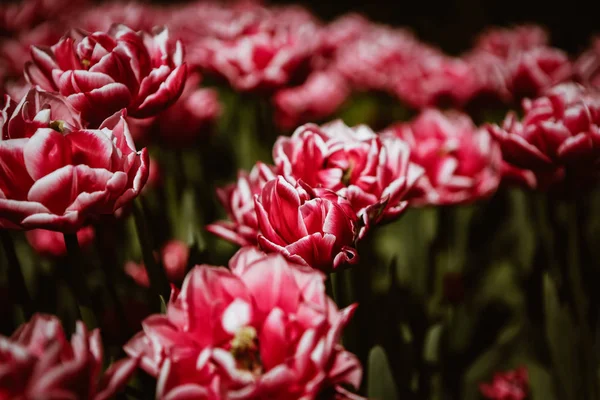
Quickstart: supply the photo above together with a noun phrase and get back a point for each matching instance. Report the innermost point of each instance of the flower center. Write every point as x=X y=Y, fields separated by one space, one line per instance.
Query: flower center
x=58 y=125
x=86 y=63
x=347 y=176
x=244 y=348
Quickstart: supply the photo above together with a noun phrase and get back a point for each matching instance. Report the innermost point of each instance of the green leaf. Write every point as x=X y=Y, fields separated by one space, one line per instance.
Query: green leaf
x=381 y=382
x=163 y=305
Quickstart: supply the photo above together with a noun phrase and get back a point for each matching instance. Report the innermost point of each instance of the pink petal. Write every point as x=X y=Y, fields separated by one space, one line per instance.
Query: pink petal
x=45 y=152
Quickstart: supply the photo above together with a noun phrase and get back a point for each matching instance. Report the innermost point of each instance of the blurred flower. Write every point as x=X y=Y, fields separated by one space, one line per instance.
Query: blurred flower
x=461 y=162
x=342 y=31
x=373 y=174
x=504 y=42
x=319 y=97
x=101 y=73
x=190 y=117
x=314 y=228
x=587 y=65
x=56 y=175
x=154 y=175
x=264 y=329
x=136 y=15
x=52 y=244
x=174 y=258
x=510 y=385
x=238 y=201
x=533 y=71
x=435 y=79
x=24 y=15
x=269 y=55
x=39 y=363
x=560 y=131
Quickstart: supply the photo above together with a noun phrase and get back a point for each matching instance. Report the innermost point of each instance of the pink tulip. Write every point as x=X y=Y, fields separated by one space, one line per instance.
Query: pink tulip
x=264 y=329
x=174 y=258
x=102 y=73
x=319 y=97
x=559 y=132
x=52 y=244
x=510 y=385
x=37 y=362
x=587 y=65
x=462 y=163
x=56 y=175
x=373 y=174
x=504 y=42
x=238 y=200
x=308 y=227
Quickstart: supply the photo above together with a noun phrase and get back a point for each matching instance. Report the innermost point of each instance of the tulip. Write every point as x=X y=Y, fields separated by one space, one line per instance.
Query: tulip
x=504 y=42
x=102 y=73
x=52 y=244
x=174 y=256
x=510 y=385
x=320 y=96
x=559 y=133
x=307 y=227
x=462 y=163
x=56 y=175
x=373 y=174
x=263 y=329
x=37 y=362
x=238 y=201
x=587 y=65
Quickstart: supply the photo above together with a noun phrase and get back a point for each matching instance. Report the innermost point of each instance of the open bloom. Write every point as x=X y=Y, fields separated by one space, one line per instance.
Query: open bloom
x=559 y=132
x=462 y=163
x=510 y=385
x=373 y=174
x=263 y=330
x=309 y=227
x=52 y=244
x=56 y=175
x=319 y=97
x=38 y=362
x=102 y=73
x=238 y=200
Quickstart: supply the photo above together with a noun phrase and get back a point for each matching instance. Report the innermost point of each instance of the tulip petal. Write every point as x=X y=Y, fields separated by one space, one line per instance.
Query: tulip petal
x=45 y=152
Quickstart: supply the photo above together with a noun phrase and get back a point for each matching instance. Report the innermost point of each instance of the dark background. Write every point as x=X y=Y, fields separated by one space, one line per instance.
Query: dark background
x=455 y=24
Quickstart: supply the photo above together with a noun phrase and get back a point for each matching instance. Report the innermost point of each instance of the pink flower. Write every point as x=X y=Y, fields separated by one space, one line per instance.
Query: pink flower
x=56 y=175
x=100 y=17
x=24 y=15
x=275 y=51
x=37 y=362
x=373 y=174
x=314 y=228
x=504 y=42
x=265 y=329
x=587 y=65
x=52 y=244
x=462 y=163
x=319 y=97
x=190 y=117
x=174 y=257
x=533 y=71
x=238 y=200
x=510 y=385
x=559 y=132
x=101 y=73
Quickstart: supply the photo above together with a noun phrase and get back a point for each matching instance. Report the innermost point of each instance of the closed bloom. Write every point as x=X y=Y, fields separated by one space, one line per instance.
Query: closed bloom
x=38 y=362
x=559 y=133
x=374 y=174
x=317 y=98
x=510 y=385
x=310 y=227
x=174 y=257
x=56 y=175
x=263 y=330
x=101 y=73
x=238 y=201
x=462 y=163
x=52 y=244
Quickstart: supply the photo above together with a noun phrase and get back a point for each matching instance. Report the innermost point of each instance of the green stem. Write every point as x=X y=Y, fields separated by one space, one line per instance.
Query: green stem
x=577 y=290
x=329 y=286
x=158 y=279
x=15 y=275
x=78 y=283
